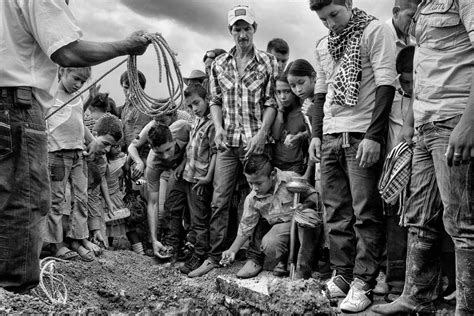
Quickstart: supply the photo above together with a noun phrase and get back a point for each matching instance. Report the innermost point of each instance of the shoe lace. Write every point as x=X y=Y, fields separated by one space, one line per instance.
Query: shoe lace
x=194 y=260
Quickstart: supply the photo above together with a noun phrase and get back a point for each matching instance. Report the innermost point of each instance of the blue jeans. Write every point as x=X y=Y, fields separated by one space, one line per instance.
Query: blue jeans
x=354 y=210
x=67 y=165
x=24 y=190
x=442 y=194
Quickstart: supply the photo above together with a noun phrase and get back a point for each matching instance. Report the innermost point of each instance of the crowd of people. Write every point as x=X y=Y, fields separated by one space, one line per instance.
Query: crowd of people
x=376 y=141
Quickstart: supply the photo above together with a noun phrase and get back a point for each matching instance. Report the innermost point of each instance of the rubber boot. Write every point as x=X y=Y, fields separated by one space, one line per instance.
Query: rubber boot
x=310 y=238
x=464 y=282
x=423 y=274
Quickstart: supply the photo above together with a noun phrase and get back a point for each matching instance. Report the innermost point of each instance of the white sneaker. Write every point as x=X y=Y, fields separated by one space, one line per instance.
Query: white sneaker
x=358 y=298
x=337 y=286
x=382 y=287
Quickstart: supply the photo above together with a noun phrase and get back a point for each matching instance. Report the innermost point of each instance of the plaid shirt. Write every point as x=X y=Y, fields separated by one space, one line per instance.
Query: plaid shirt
x=200 y=149
x=243 y=99
x=275 y=207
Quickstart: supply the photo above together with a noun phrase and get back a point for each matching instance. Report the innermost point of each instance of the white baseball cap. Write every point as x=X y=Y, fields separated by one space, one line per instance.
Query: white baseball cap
x=241 y=12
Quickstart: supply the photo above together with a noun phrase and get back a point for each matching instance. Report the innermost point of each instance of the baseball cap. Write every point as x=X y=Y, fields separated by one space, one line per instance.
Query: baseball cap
x=241 y=12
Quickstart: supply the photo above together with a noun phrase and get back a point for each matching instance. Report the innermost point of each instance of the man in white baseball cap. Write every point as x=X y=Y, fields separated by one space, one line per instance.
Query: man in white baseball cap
x=241 y=12
x=243 y=108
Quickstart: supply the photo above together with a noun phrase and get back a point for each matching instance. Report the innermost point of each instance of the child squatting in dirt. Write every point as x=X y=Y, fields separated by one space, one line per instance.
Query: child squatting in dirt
x=268 y=212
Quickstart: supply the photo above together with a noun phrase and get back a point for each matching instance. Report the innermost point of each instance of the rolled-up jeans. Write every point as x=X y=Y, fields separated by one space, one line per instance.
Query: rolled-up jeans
x=354 y=209
x=24 y=190
x=67 y=165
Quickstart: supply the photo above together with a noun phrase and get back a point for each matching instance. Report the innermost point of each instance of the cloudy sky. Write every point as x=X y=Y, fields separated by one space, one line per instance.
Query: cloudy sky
x=191 y=27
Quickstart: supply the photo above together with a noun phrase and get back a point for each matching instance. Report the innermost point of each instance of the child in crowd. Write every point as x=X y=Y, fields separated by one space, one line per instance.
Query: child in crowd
x=66 y=134
x=302 y=78
x=96 y=107
x=109 y=130
x=168 y=145
x=290 y=131
x=197 y=173
x=112 y=192
x=268 y=212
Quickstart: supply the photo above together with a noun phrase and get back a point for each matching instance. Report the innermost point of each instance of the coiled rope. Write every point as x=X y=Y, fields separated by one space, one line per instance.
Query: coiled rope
x=143 y=102
x=52 y=286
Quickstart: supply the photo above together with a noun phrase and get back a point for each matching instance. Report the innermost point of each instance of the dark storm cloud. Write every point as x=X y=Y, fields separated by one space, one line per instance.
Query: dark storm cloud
x=196 y=15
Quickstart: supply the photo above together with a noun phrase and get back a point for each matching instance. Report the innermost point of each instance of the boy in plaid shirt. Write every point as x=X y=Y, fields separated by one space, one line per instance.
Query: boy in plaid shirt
x=197 y=172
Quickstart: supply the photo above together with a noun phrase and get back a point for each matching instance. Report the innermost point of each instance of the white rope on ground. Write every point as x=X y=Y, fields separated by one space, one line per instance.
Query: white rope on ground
x=51 y=283
x=143 y=102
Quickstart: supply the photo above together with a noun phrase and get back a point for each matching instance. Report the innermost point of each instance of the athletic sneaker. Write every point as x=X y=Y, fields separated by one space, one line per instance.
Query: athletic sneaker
x=358 y=298
x=337 y=286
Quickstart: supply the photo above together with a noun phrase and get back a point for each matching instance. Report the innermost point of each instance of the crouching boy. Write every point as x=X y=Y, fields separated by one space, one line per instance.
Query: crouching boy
x=268 y=211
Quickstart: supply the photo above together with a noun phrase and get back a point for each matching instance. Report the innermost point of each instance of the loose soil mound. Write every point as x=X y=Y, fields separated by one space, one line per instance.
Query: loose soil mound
x=123 y=282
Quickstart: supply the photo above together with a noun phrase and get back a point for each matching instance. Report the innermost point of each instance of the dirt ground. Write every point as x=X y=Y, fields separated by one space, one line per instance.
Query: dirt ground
x=122 y=282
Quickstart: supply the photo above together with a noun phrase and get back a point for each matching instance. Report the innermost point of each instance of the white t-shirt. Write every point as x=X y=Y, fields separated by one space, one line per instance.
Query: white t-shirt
x=30 y=32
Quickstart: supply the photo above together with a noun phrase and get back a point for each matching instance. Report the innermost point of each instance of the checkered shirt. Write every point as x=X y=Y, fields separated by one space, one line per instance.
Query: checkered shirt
x=243 y=99
x=200 y=149
x=396 y=173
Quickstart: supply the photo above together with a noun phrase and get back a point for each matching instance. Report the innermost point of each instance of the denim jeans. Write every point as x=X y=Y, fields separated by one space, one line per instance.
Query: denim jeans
x=200 y=212
x=67 y=166
x=175 y=208
x=442 y=193
x=354 y=210
x=225 y=178
x=269 y=242
x=24 y=191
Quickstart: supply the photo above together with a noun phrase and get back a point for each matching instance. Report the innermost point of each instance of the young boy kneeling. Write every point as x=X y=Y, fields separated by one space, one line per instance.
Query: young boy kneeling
x=268 y=211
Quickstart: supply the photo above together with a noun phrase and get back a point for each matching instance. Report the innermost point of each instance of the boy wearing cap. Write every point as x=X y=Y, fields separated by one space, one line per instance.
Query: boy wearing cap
x=243 y=109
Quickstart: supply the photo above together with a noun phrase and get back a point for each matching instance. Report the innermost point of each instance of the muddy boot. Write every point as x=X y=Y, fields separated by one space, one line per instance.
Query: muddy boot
x=464 y=282
x=422 y=279
x=309 y=238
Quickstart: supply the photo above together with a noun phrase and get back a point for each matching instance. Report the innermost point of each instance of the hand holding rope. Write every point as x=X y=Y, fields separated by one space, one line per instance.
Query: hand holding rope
x=143 y=102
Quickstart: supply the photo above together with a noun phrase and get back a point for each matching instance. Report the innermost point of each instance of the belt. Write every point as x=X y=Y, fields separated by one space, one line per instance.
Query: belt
x=21 y=96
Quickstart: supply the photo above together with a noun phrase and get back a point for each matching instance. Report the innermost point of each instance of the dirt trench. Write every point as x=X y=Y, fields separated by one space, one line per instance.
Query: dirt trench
x=122 y=282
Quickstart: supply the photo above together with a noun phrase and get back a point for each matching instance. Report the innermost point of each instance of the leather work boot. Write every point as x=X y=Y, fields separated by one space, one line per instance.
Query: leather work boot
x=249 y=270
x=422 y=279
